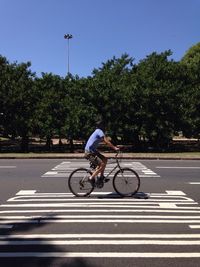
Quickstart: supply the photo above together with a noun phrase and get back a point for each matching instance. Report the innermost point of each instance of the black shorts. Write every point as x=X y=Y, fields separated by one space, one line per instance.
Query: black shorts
x=95 y=158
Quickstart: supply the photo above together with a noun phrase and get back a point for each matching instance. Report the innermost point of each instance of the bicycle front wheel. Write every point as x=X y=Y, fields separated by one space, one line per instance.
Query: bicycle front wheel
x=126 y=182
x=78 y=182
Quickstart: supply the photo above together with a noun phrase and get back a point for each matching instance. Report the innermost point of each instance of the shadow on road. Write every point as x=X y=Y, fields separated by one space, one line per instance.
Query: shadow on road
x=138 y=195
x=8 y=248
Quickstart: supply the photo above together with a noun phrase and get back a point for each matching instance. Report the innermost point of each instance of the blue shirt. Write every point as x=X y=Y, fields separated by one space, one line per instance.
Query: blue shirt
x=94 y=139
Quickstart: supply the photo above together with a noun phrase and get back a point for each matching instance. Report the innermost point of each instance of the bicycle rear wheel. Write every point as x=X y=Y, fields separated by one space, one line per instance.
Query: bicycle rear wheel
x=78 y=182
x=126 y=182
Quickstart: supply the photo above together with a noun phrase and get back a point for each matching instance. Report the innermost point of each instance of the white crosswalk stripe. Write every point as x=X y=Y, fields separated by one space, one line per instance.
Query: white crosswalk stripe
x=29 y=207
x=66 y=167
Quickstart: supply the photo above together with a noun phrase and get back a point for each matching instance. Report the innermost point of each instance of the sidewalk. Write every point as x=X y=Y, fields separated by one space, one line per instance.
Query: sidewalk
x=155 y=156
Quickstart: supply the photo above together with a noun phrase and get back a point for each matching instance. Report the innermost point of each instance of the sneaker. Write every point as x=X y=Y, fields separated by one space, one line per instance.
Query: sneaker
x=92 y=182
x=104 y=179
x=99 y=182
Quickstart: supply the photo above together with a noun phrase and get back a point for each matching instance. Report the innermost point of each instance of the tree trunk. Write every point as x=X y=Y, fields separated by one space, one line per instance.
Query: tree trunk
x=71 y=145
x=25 y=144
x=49 y=143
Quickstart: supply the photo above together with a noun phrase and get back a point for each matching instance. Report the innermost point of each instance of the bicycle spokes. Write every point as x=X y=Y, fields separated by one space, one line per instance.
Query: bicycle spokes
x=79 y=183
x=126 y=182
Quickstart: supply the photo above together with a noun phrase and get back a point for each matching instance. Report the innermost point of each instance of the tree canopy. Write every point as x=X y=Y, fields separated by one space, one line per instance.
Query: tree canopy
x=142 y=104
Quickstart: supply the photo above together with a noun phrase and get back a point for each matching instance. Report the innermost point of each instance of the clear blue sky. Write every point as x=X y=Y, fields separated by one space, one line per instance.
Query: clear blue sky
x=33 y=30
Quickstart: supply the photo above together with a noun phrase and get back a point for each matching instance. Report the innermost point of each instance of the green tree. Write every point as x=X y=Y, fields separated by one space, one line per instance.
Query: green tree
x=192 y=57
x=50 y=112
x=17 y=99
x=160 y=84
x=191 y=62
x=81 y=111
x=109 y=92
x=4 y=74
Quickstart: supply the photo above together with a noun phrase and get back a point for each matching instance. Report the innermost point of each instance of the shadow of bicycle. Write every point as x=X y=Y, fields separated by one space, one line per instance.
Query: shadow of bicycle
x=138 y=195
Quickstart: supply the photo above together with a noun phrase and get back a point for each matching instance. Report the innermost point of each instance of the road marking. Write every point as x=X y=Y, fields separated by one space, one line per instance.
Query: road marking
x=99 y=216
x=99 y=205
x=26 y=192
x=88 y=205
x=167 y=195
x=179 y=193
x=194 y=226
x=7 y=167
x=39 y=221
x=106 y=236
x=159 y=208
x=148 y=172
x=65 y=168
x=100 y=254
x=194 y=183
x=54 y=174
x=173 y=167
x=101 y=193
x=100 y=242
x=127 y=201
x=151 y=200
x=51 y=173
x=102 y=211
x=164 y=203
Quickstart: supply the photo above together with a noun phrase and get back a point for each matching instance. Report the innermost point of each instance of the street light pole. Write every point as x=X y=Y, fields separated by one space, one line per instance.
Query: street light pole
x=68 y=37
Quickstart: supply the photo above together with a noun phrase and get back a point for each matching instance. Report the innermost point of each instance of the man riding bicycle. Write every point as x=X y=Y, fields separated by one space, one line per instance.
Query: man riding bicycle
x=93 y=155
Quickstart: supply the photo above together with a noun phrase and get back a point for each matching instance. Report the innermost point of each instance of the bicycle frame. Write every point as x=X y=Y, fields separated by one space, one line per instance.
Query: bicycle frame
x=80 y=185
x=117 y=166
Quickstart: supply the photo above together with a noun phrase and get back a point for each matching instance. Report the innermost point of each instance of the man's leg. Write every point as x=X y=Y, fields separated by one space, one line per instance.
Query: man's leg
x=98 y=170
x=104 y=162
x=101 y=161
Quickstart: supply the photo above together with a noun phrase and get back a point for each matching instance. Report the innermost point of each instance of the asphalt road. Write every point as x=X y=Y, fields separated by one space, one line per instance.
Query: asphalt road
x=42 y=224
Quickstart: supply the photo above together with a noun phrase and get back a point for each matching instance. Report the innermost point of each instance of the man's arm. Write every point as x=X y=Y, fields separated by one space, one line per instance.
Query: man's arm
x=105 y=139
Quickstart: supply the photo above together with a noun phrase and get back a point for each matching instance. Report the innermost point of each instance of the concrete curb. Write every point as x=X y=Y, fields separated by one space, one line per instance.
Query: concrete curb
x=109 y=155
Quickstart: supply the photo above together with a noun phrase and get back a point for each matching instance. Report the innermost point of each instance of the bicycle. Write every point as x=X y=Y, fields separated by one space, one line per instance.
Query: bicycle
x=126 y=181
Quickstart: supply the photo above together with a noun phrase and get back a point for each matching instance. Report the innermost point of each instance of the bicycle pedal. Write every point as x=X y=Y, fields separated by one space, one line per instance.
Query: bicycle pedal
x=92 y=182
x=81 y=183
x=99 y=184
